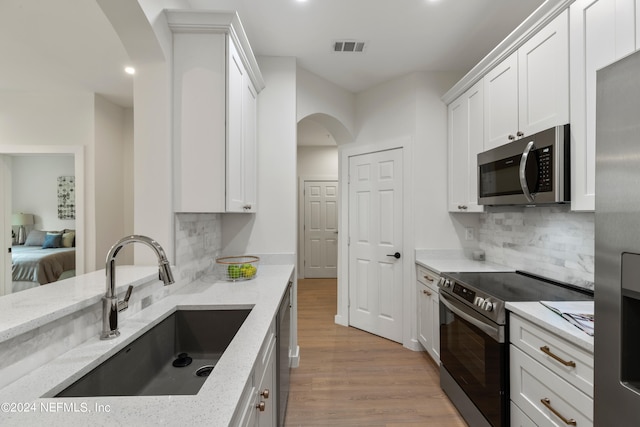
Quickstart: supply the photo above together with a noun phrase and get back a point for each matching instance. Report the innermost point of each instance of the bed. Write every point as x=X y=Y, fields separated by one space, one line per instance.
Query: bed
x=42 y=260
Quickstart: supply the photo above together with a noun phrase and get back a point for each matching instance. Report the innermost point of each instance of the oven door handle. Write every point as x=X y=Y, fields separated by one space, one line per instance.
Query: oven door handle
x=495 y=333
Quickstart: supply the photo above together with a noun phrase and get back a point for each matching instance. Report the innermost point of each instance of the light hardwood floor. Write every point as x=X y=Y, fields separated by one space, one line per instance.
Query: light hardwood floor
x=348 y=377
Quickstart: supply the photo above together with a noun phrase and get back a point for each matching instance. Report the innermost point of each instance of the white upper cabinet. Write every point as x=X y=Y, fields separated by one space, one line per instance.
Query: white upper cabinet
x=602 y=31
x=466 y=123
x=241 y=136
x=543 y=78
x=529 y=90
x=215 y=87
x=501 y=103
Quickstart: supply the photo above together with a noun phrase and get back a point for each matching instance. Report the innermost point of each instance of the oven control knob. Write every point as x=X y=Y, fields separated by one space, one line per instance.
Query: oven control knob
x=487 y=305
x=478 y=301
x=441 y=282
x=447 y=283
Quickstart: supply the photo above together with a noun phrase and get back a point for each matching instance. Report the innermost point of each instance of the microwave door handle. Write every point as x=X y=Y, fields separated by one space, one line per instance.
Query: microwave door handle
x=523 y=172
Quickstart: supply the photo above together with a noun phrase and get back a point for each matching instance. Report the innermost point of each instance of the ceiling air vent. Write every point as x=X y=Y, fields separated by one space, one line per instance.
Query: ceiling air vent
x=348 y=46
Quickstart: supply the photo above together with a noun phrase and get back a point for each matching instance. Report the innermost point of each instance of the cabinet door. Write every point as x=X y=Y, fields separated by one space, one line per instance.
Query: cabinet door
x=249 y=145
x=602 y=31
x=425 y=334
x=466 y=137
x=267 y=393
x=501 y=103
x=234 y=164
x=435 y=327
x=543 y=78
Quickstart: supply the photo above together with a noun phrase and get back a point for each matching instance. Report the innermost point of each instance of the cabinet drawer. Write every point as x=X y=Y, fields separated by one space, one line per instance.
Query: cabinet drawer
x=534 y=341
x=427 y=277
x=531 y=383
x=519 y=418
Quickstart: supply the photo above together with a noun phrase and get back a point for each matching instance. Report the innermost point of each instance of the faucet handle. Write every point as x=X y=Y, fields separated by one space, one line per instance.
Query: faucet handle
x=124 y=304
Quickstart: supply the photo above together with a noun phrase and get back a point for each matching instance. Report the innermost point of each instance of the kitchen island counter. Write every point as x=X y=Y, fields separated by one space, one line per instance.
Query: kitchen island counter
x=28 y=400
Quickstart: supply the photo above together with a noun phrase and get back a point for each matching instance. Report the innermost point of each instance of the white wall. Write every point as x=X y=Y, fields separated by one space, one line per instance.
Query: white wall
x=34 y=189
x=147 y=38
x=110 y=185
x=318 y=161
x=317 y=95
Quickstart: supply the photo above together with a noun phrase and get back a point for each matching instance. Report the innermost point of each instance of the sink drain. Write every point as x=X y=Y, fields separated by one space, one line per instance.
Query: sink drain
x=204 y=371
x=182 y=360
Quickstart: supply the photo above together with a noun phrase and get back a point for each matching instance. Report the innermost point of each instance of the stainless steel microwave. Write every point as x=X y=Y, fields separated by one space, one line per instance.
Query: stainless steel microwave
x=532 y=170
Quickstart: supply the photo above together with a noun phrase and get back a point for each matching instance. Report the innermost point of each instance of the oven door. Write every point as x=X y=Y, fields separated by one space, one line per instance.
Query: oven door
x=473 y=351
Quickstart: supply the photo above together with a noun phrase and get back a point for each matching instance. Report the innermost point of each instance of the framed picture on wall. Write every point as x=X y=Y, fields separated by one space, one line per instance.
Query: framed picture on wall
x=66 y=197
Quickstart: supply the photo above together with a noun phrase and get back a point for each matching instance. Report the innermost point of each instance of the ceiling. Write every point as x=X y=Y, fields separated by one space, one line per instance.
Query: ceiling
x=70 y=45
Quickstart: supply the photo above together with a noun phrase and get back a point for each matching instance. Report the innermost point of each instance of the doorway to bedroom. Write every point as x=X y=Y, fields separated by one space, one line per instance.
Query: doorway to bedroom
x=42 y=211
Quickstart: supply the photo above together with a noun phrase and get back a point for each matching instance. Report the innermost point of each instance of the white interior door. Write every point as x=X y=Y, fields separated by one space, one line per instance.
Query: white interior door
x=5 y=225
x=375 y=235
x=320 y=229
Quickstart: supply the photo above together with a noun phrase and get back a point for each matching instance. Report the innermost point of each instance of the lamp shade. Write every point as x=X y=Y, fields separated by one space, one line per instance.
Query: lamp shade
x=21 y=219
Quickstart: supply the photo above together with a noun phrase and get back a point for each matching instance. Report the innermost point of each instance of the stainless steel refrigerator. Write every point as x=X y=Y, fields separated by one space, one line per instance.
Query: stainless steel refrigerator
x=617 y=245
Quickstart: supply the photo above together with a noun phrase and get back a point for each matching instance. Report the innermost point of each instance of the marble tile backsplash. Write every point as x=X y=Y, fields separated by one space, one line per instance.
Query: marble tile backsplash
x=552 y=242
x=198 y=242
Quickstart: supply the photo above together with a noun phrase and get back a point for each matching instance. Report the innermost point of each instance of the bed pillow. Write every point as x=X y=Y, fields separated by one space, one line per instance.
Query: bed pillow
x=35 y=238
x=68 y=239
x=52 y=240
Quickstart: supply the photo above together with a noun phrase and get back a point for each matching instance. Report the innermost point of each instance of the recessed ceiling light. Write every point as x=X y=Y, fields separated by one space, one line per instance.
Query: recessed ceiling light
x=130 y=70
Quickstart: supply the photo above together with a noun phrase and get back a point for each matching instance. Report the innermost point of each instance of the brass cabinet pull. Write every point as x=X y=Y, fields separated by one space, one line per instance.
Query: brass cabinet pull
x=424 y=291
x=428 y=278
x=545 y=349
x=265 y=393
x=547 y=403
x=261 y=406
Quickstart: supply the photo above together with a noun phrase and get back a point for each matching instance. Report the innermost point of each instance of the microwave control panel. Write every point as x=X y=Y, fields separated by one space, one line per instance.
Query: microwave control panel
x=545 y=173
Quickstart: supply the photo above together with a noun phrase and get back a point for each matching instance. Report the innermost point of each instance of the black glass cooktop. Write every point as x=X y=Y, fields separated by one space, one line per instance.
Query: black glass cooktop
x=519 y=286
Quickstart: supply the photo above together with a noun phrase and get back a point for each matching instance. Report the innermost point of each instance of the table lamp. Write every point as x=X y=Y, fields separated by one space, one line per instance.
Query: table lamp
x=21 y=219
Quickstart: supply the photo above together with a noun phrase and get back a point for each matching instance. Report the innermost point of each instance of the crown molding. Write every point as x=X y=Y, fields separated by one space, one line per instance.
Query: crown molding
x=227 y=22
x=530 y=26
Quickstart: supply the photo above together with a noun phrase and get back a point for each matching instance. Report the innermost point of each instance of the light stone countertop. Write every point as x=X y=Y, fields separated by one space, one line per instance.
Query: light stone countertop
x=447 y=261
x=544 y=317
x=29 y=309
x=441 y=261
x=216 y=401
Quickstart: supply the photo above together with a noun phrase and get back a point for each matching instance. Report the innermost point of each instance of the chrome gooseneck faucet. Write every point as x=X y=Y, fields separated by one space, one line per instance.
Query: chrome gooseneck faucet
x=110 y=304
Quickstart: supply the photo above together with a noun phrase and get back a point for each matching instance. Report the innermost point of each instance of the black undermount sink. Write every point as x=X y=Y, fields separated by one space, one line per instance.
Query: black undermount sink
x=173 y=358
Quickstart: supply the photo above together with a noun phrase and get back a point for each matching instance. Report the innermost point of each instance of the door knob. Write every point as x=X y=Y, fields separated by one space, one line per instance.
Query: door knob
x=396 y=255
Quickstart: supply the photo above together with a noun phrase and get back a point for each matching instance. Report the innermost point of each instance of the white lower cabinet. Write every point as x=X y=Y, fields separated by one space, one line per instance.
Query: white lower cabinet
x=428 y=311
x=258 y=405
x=551 y=380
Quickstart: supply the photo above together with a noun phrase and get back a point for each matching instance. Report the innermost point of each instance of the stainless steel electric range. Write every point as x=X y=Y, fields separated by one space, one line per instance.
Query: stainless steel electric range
x=474 y=337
